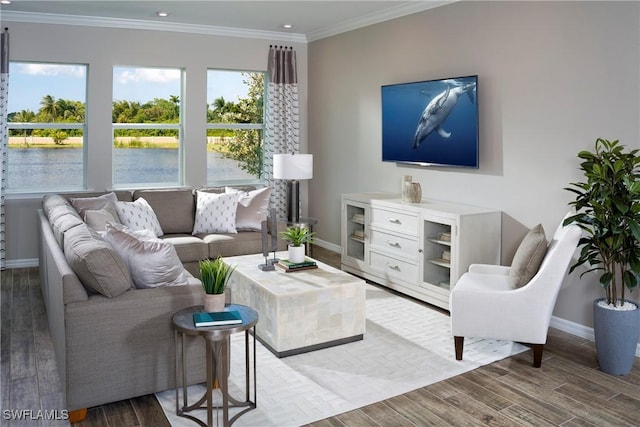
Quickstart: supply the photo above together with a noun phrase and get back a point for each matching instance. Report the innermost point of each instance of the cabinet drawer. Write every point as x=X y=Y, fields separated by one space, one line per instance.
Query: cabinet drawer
x=393 y=220
x=393 y=267
x=401 y=246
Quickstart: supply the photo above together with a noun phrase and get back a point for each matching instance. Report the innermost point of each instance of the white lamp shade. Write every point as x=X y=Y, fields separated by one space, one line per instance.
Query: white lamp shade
x=293 y=166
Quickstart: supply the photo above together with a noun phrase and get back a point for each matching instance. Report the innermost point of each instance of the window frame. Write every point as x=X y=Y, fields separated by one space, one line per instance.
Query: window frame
x=179 y=127
x=237 y=126
x=53 y=125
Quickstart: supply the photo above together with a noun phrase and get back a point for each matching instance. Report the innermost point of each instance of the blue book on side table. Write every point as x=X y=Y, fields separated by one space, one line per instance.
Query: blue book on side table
x=216 y=319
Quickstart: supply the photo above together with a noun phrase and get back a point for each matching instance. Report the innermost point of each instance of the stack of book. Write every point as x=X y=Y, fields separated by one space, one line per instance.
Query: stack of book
x=288 y=266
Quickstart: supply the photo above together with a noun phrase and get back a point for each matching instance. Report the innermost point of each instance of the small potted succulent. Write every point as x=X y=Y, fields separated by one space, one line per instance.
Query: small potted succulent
x=214 y=275
x=297 y=237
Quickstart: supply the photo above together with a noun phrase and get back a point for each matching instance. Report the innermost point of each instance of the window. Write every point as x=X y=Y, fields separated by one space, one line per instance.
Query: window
x=46 y=123
x=235 y=124
x=147 y=126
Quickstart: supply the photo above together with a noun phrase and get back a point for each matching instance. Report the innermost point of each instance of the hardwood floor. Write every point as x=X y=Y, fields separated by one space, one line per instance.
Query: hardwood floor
x=568 y=390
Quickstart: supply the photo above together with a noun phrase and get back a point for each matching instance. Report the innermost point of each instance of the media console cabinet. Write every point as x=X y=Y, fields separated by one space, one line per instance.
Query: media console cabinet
x=419 y=249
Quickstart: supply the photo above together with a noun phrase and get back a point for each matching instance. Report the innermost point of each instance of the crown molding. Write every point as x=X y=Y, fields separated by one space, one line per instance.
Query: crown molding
x=377 y=17
x=137 y=24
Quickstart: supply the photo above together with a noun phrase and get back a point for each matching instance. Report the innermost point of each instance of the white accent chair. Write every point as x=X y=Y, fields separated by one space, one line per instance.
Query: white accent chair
x=483 y=304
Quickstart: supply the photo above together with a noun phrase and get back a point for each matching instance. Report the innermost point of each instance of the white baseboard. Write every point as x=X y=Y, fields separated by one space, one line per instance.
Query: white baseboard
x=578 y=330
x=22 y=263
x=329 y=246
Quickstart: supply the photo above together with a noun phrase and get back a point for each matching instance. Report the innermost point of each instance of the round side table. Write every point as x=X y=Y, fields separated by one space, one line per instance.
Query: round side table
x=217 y=353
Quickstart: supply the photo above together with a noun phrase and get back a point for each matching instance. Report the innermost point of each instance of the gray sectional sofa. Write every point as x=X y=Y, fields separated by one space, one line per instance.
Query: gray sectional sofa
x=114 y=343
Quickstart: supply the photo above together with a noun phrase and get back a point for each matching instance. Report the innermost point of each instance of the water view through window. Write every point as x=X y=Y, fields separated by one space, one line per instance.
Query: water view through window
x=47 y=144
x=60 y=168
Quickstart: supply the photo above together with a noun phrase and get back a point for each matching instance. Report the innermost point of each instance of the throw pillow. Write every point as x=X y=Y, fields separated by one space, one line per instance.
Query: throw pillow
x=138 y=215
x=152 y=262
x=98 y=218
x=95 y=262
x=106 y=201
x=215 y=213
x=528 y=257
x=253 y=207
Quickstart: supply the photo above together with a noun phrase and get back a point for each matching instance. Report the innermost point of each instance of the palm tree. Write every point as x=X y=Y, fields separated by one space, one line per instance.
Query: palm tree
x=49 y=107
x=24 y=116
x=175 y=99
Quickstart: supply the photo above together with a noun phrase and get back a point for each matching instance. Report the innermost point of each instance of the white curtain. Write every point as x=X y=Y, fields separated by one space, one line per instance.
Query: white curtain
x=281 y=118
x=4 y=135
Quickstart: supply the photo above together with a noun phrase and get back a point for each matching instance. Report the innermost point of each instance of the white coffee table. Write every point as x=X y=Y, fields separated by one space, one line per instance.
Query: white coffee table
x=303 y=310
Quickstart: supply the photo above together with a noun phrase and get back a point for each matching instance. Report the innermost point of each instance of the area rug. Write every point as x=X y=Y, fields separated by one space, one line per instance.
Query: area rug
x=406 y=346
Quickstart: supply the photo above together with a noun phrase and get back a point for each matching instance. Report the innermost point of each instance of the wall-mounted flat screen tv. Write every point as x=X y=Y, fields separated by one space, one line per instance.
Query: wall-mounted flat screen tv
x=431 y=123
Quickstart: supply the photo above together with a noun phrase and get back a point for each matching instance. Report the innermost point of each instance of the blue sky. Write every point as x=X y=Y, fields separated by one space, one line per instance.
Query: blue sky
x=33 y=81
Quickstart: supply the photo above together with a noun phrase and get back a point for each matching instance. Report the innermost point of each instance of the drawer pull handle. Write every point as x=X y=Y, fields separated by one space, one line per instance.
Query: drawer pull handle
x=393 y=266
x=392 y=243
x=393 y=220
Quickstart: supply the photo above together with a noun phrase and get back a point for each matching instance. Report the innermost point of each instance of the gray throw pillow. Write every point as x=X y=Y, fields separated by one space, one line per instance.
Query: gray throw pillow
x=95 y=262
x=106 y=202
x=528 y=257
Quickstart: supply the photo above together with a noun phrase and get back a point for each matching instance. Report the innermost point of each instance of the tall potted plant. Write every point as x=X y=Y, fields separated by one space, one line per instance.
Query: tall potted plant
x=214 y=275
x=297 y=237
x=607 y=208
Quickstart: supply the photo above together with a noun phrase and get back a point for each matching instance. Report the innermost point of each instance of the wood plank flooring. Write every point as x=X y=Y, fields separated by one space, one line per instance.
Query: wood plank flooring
x=568 y=390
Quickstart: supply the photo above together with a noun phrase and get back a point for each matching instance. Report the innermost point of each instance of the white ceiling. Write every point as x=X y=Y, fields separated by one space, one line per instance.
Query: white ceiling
x=311 y=20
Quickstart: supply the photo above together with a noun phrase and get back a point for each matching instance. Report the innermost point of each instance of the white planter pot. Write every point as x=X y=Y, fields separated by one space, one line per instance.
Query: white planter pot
x=213 y=302
x=296 y=253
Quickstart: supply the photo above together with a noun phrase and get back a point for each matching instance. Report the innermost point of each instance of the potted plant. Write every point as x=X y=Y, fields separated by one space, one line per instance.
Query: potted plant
x=607 y=208
x=297 y=237
x=214 y=275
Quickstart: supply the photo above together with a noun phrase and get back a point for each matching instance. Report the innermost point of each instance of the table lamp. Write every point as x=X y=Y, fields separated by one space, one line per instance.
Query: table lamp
x=293 y=168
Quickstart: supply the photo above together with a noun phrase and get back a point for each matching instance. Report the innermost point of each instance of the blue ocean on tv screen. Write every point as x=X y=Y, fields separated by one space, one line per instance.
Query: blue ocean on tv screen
x=453 y=108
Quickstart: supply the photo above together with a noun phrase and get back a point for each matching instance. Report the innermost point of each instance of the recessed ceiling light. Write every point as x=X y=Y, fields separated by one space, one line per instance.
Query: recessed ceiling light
x=5 y=1
x=162 y=14
x=287 y=26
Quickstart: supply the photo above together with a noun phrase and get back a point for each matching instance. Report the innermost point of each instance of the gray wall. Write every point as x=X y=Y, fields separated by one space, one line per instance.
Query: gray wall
x=101 y=49
x=553 y=76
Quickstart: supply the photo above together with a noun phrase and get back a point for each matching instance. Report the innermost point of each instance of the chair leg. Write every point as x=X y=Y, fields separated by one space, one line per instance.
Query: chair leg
x=459 y=343
x=537 y=354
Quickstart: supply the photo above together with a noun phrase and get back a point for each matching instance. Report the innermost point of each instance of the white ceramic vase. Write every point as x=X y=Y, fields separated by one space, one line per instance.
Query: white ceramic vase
x=296 y=253
x=213 y=302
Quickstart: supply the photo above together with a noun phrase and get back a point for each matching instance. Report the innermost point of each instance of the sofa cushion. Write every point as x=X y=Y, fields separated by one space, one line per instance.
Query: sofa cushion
x=253 y=208
x=61 y=215
x=528 y=257
x=152 y=262
x=56 y=201
x=175 y=208
x=215 y=213
x=243 y=243
x=188 y=247
x=106 y=202
x=138 y=215
x=95 y=262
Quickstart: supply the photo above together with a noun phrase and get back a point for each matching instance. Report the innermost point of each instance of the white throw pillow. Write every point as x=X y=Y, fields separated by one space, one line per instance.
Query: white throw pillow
x=152 y=262
x=215 y=212
x=253 y=208
x=139 y=215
